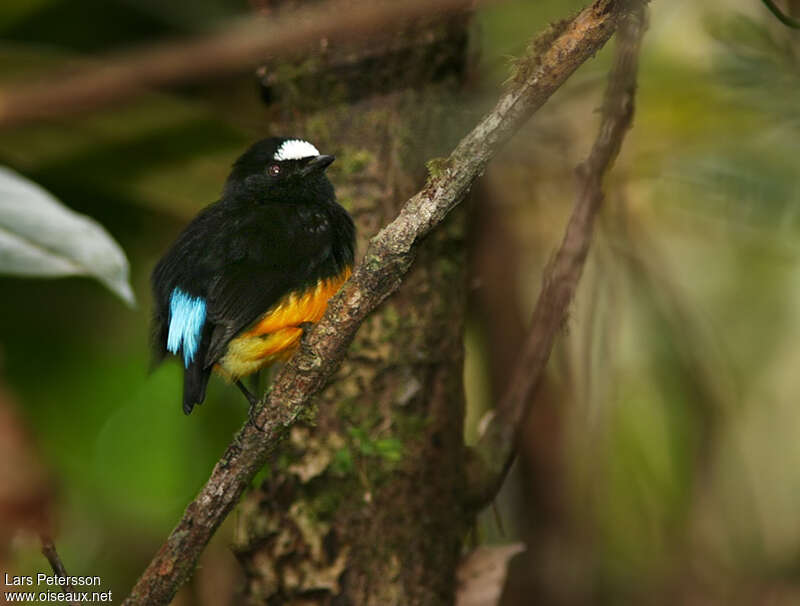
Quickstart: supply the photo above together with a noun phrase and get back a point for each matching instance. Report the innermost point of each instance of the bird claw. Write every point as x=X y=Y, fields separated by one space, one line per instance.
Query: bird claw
x=251 y=417
x=306 y=328
x=251 y=411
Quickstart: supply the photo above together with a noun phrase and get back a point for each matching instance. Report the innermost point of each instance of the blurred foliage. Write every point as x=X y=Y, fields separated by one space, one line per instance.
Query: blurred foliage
x=675 y=383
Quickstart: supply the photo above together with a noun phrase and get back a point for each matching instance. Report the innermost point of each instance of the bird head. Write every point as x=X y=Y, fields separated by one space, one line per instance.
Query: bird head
x=281 y=170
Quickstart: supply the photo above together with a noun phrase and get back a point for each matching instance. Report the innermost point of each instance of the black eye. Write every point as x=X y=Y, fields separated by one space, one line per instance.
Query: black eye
x=274 y=170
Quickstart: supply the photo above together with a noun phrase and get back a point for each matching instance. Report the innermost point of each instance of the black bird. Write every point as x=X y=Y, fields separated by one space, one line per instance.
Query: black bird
x=236 y=289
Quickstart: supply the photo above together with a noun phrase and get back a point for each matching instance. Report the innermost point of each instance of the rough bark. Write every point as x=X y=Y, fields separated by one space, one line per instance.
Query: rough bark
x=364 y=504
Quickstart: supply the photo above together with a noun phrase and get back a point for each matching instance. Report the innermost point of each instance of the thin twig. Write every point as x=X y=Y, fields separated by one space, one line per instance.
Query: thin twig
x=238 y=48
x=496 y=448
x=49 y=551
x=388 y=257
x=782 y=17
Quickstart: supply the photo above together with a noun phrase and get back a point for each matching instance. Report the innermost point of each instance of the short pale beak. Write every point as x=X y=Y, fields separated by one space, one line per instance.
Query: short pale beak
x=319 y=163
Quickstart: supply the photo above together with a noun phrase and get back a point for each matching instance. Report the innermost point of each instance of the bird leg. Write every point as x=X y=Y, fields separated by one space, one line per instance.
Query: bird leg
x=247 y=393
x=253 y=402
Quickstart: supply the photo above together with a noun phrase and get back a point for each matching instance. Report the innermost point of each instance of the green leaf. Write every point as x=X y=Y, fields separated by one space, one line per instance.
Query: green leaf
x=41 y=237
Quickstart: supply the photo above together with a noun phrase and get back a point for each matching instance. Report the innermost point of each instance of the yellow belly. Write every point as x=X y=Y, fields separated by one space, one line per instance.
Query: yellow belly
x=277 y=334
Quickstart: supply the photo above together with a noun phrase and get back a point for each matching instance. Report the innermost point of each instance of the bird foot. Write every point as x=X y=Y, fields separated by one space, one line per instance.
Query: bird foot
x=251 y=417
x=306 y=328
x=251 y=411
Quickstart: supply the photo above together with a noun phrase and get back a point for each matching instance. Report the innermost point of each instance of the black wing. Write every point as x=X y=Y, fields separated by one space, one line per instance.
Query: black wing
x=190 y=263
x=288 y=257
x=241 y=260
x=238 y=298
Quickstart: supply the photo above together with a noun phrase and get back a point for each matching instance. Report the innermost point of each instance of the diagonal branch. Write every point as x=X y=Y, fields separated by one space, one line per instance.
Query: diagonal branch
x=784 y=18
x=496 y=448
x=388 y=257
x=234 y=49
x=49 y=551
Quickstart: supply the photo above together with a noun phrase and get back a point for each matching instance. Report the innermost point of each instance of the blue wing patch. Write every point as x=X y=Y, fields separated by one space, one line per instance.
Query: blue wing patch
x=187 y=314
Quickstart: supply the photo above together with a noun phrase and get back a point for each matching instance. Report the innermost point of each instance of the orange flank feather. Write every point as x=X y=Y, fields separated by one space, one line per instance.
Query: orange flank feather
x=276 y=335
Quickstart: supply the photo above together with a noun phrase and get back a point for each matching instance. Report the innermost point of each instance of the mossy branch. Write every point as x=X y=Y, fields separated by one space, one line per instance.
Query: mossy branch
x=388 y=257
x=490 y=460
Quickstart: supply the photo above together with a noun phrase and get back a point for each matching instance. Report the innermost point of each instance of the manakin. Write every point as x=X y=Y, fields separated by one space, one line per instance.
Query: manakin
x=236 y=289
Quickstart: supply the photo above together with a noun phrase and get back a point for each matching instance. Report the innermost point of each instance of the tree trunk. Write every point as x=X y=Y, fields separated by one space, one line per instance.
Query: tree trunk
x=364 y=503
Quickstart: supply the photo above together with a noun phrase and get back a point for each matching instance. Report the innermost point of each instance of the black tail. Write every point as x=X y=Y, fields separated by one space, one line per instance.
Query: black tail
x=195 y=380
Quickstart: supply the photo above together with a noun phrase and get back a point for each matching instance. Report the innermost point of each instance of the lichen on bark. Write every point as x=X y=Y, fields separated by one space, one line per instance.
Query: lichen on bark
x=362 y=504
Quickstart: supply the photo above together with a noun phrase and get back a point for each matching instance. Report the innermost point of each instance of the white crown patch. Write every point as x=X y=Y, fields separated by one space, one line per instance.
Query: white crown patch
x=295 y=149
